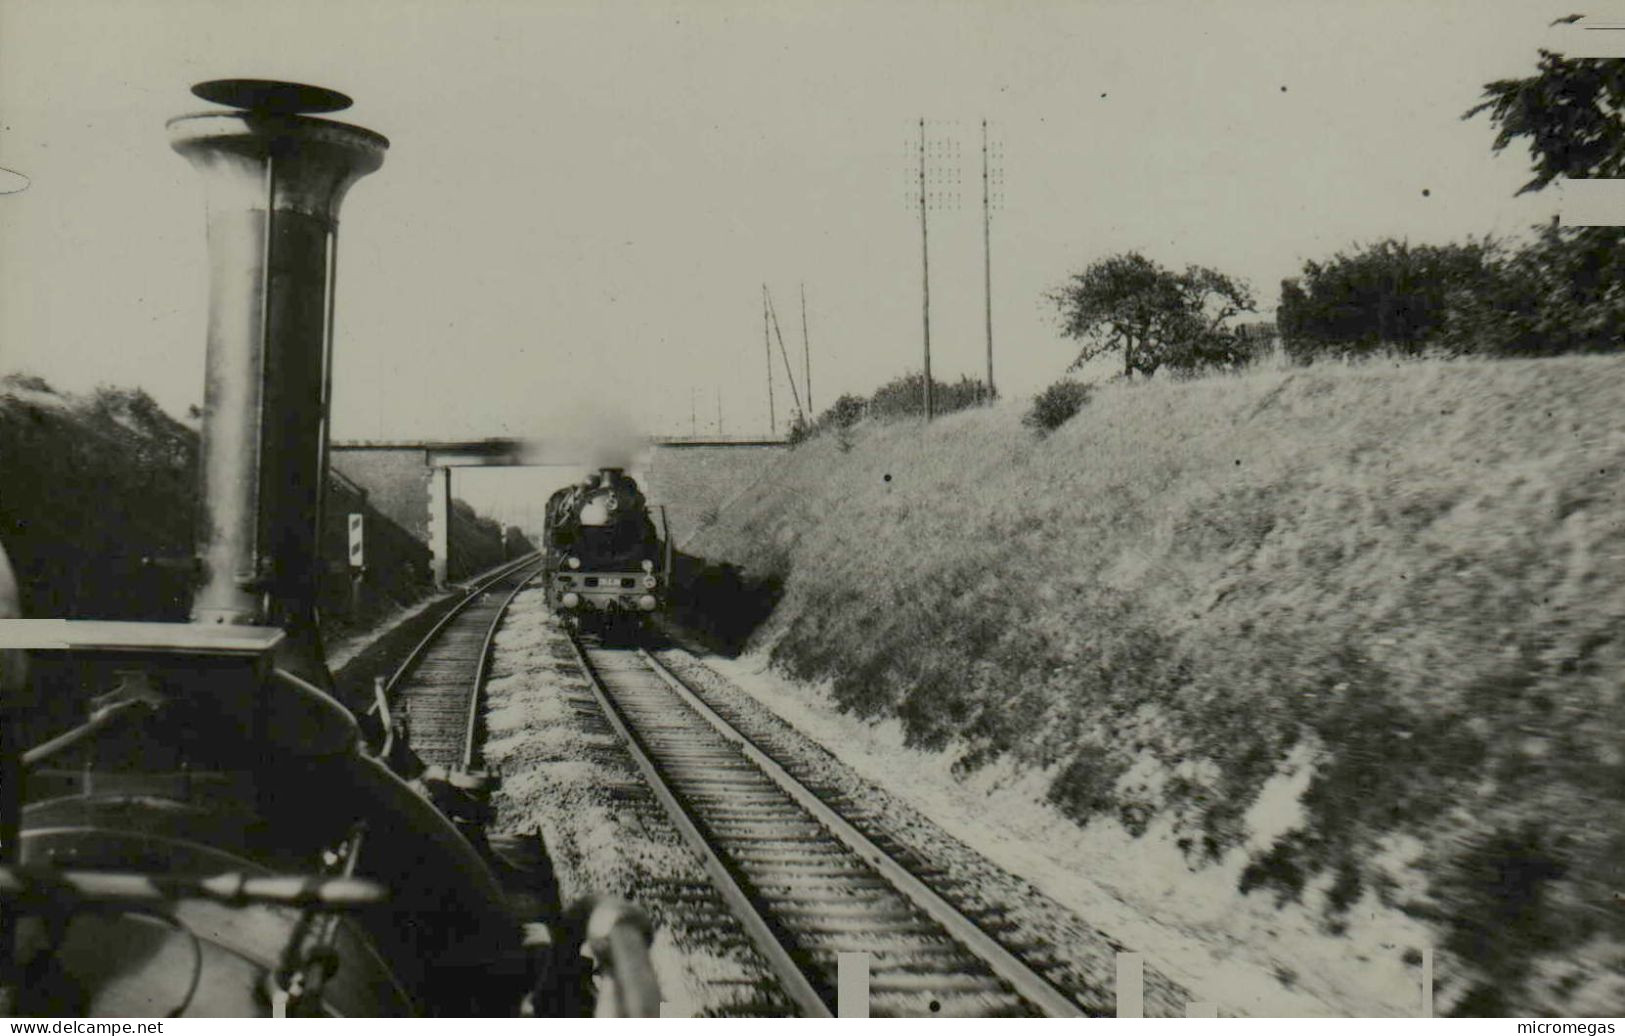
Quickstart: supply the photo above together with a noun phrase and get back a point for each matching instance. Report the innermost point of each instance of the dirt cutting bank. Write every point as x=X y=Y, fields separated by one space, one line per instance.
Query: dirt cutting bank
x=1348 y=636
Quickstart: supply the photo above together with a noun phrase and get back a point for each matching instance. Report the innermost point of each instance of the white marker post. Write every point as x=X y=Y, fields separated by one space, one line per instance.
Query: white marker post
x=851 y=985
x=1427 y=982
x=1131 y=985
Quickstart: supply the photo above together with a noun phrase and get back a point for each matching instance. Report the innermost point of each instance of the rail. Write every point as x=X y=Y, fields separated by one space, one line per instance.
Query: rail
x=1027 y=982
x=469 y=596
x=475 y=695
x=883 y=897
x=790 y=975
x=429 y=693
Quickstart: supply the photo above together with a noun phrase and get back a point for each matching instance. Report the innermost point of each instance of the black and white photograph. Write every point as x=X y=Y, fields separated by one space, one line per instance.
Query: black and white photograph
x=791 y=509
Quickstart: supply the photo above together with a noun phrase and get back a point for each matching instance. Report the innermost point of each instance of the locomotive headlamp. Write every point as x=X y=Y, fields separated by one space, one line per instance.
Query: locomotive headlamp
x=573 y=562
x=650 y=582
x=647 y=602
x=648 y=566
x=570 y=600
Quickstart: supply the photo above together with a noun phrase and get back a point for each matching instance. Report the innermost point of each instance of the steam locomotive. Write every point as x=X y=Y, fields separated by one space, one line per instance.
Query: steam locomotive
x=191 y=823
x=607 y=566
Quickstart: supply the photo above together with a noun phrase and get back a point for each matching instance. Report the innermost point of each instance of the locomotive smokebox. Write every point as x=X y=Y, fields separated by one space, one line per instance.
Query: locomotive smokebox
x=275 y=178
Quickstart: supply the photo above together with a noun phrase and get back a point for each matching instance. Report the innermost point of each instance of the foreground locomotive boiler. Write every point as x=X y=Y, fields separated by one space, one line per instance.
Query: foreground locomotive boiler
x=190 y=822
x=606 y=563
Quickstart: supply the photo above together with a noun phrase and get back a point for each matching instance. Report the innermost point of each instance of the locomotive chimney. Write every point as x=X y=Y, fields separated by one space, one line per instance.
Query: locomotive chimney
x=274 y=179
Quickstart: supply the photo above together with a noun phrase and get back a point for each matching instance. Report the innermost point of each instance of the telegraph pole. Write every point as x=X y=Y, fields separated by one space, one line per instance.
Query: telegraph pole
x=925 y=276
x=987 y=265
x=806 y=351
x=789 y=373
x=767 y=344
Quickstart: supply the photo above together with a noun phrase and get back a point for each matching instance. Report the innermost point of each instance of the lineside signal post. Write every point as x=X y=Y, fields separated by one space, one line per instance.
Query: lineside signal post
x=358 y=559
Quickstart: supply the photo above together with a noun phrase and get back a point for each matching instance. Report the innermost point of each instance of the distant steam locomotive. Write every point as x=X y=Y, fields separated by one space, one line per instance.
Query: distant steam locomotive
x=606 y=562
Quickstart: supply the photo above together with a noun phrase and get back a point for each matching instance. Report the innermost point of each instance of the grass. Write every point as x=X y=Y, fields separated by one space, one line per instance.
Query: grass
x=1414 y=570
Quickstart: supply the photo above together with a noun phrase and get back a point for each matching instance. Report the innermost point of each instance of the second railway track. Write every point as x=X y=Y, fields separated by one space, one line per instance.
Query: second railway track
x=436 y=689
x=807 y=886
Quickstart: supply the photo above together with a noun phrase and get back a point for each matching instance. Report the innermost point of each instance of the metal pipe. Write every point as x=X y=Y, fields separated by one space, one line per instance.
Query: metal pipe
x=275 y=180
x=619 y=935
x=15 y=699
x=50 y=887
x=100 y=720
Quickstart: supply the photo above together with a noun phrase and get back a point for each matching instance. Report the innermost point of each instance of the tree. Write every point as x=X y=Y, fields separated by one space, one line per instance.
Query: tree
x=1570 y=113
x=1565 y=288
x=1562 y=293
x=1153 y=316
x=1388 y=295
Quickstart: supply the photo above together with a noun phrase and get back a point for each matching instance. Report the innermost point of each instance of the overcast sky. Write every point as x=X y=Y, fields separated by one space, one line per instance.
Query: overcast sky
x=581 y=201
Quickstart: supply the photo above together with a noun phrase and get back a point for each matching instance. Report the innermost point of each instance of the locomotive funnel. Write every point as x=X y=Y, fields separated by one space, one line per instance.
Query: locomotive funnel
x=274 y=179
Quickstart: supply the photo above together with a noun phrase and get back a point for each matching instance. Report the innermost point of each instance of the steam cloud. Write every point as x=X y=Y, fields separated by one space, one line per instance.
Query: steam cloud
x=589 y=437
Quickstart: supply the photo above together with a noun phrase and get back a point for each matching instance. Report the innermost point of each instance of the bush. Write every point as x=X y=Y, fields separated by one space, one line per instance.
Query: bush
x=846 y=412
x=1390 y=296
x=800 y=430
x=904 y=397
x=1057 y=405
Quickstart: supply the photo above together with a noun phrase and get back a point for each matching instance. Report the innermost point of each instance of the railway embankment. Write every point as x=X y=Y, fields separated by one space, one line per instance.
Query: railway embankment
x=1338 y=645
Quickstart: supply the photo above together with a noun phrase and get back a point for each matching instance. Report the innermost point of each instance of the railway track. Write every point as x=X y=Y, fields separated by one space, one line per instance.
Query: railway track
x=804 y=883
x=437 y=688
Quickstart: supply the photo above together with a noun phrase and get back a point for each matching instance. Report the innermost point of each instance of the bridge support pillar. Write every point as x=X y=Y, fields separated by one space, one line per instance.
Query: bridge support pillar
x=439 y=522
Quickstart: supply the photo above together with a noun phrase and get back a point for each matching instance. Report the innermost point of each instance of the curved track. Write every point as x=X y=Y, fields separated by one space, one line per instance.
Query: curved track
x=804 y=882
x=437 y=689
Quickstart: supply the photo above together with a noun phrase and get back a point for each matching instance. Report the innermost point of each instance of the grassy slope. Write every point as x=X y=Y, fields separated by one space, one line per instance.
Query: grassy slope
x=1413 y=575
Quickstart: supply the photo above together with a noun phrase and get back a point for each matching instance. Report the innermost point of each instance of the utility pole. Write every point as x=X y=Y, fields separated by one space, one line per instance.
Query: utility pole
x=806 y=350
x=789 y=374
x=719 y=411
x=925 y=275
x=767 y=345
x=693 y=416
x=987 y=265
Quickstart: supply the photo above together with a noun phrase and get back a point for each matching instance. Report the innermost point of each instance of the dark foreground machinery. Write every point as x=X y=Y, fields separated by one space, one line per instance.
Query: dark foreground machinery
x=190 y=822
x=607 y=565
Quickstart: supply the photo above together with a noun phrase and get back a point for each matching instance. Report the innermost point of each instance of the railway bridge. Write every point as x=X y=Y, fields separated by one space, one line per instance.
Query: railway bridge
x=409 y=480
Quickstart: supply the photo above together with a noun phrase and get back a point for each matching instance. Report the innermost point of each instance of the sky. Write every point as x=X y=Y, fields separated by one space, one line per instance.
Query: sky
x=581 y=202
